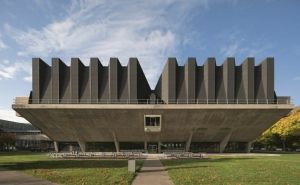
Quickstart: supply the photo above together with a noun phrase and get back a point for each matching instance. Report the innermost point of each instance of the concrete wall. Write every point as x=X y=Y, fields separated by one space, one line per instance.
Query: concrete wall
x=208 y=83
x=41 y=81
x=95 y=83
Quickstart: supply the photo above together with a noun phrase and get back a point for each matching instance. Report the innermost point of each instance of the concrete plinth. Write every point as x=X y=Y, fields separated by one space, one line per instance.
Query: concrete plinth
x=131 y=166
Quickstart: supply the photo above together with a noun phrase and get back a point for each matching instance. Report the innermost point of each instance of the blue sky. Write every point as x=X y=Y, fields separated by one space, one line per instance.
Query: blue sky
x=150 y=30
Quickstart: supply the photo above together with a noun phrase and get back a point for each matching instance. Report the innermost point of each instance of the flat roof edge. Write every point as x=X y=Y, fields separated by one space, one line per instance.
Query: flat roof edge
x=153 y=106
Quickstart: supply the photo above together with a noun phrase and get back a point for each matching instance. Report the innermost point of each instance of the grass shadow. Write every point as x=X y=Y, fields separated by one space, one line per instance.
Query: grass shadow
x=65 y=164
x=11 y=154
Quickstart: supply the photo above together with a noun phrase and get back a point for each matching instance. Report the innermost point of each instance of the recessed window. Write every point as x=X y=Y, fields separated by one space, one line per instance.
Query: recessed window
x=152 y=121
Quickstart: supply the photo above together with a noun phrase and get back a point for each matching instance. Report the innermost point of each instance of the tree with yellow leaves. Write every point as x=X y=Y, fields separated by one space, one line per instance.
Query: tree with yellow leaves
x=287 y=127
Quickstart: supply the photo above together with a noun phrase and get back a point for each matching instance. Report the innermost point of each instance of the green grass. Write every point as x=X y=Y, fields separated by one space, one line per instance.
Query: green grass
x=223 y=170
x=69 y=172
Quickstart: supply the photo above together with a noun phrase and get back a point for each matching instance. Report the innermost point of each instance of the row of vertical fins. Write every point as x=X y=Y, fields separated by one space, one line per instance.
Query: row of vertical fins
x=96 y=83
x=82 y=84
x=210 y=83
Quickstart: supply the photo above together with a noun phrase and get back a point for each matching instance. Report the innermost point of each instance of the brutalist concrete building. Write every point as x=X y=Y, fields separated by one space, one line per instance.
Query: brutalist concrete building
x=198 y=108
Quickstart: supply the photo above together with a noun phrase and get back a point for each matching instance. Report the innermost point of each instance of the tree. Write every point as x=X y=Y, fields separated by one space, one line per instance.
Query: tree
x=287 y=128
x=7 y=140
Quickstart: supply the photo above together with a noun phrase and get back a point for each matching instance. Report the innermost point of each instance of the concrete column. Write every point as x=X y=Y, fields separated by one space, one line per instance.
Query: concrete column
x=113 y=76
x=224 y=142
x=71 y=148
x=41 y=81
x=36 y=79
x=75 y=79
x=229 y=79
x=55 y=79
x=190 y=78
x=168 y=83
x=64 y=83
x=248 y=147
x=57 y=71
x=56 y=146
x=209 y=78
x=188 y=142
x=82 y=146
x=248 y=79
x=267 y=70
x=264 y=81
x=159 y=147
x=200 y=85
x=116 y=142
x=132 y=79
x=146 y=146
x=94 y=79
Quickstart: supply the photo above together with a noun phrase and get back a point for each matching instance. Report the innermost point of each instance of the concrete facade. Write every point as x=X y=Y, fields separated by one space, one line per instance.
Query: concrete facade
x=207 y=103
x=96 y=83
x=93 y=84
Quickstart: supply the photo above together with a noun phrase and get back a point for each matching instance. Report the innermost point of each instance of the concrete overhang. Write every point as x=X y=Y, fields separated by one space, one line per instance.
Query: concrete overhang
x=97 y=122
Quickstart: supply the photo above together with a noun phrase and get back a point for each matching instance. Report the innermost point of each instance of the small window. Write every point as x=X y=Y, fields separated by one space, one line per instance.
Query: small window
x=157 y=121
x=152 y=120
x=147 y=121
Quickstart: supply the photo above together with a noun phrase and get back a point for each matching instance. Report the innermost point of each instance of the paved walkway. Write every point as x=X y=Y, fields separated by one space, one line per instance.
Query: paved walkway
x=151 y=173
x=8 y=177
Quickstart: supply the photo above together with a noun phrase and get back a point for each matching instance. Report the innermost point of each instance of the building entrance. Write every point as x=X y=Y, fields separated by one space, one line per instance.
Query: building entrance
x=152 y=148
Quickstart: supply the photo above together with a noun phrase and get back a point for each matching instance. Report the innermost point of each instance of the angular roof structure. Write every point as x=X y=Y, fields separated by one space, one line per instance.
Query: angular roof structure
x=97 y=83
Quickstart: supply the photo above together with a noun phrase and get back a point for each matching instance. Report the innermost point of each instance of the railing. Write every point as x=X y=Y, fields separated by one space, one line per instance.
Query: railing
x=284 y=100
x=124 y=155
x=181 y=155
x=100 y=155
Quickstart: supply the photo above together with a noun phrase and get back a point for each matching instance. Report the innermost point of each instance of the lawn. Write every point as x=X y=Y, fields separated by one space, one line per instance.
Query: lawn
x=223 y=170
x=69 y=172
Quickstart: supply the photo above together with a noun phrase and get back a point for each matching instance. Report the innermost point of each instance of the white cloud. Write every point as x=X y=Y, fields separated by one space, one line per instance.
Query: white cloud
x=236 y=45
x=28 y=78
x=9 y=70
x=108 y=29
x=149 y=30
x=2 y=44
x=6 y=61
x=10 y=115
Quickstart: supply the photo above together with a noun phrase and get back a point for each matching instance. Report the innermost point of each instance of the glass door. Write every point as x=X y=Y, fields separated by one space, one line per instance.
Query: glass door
x=152 y=148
